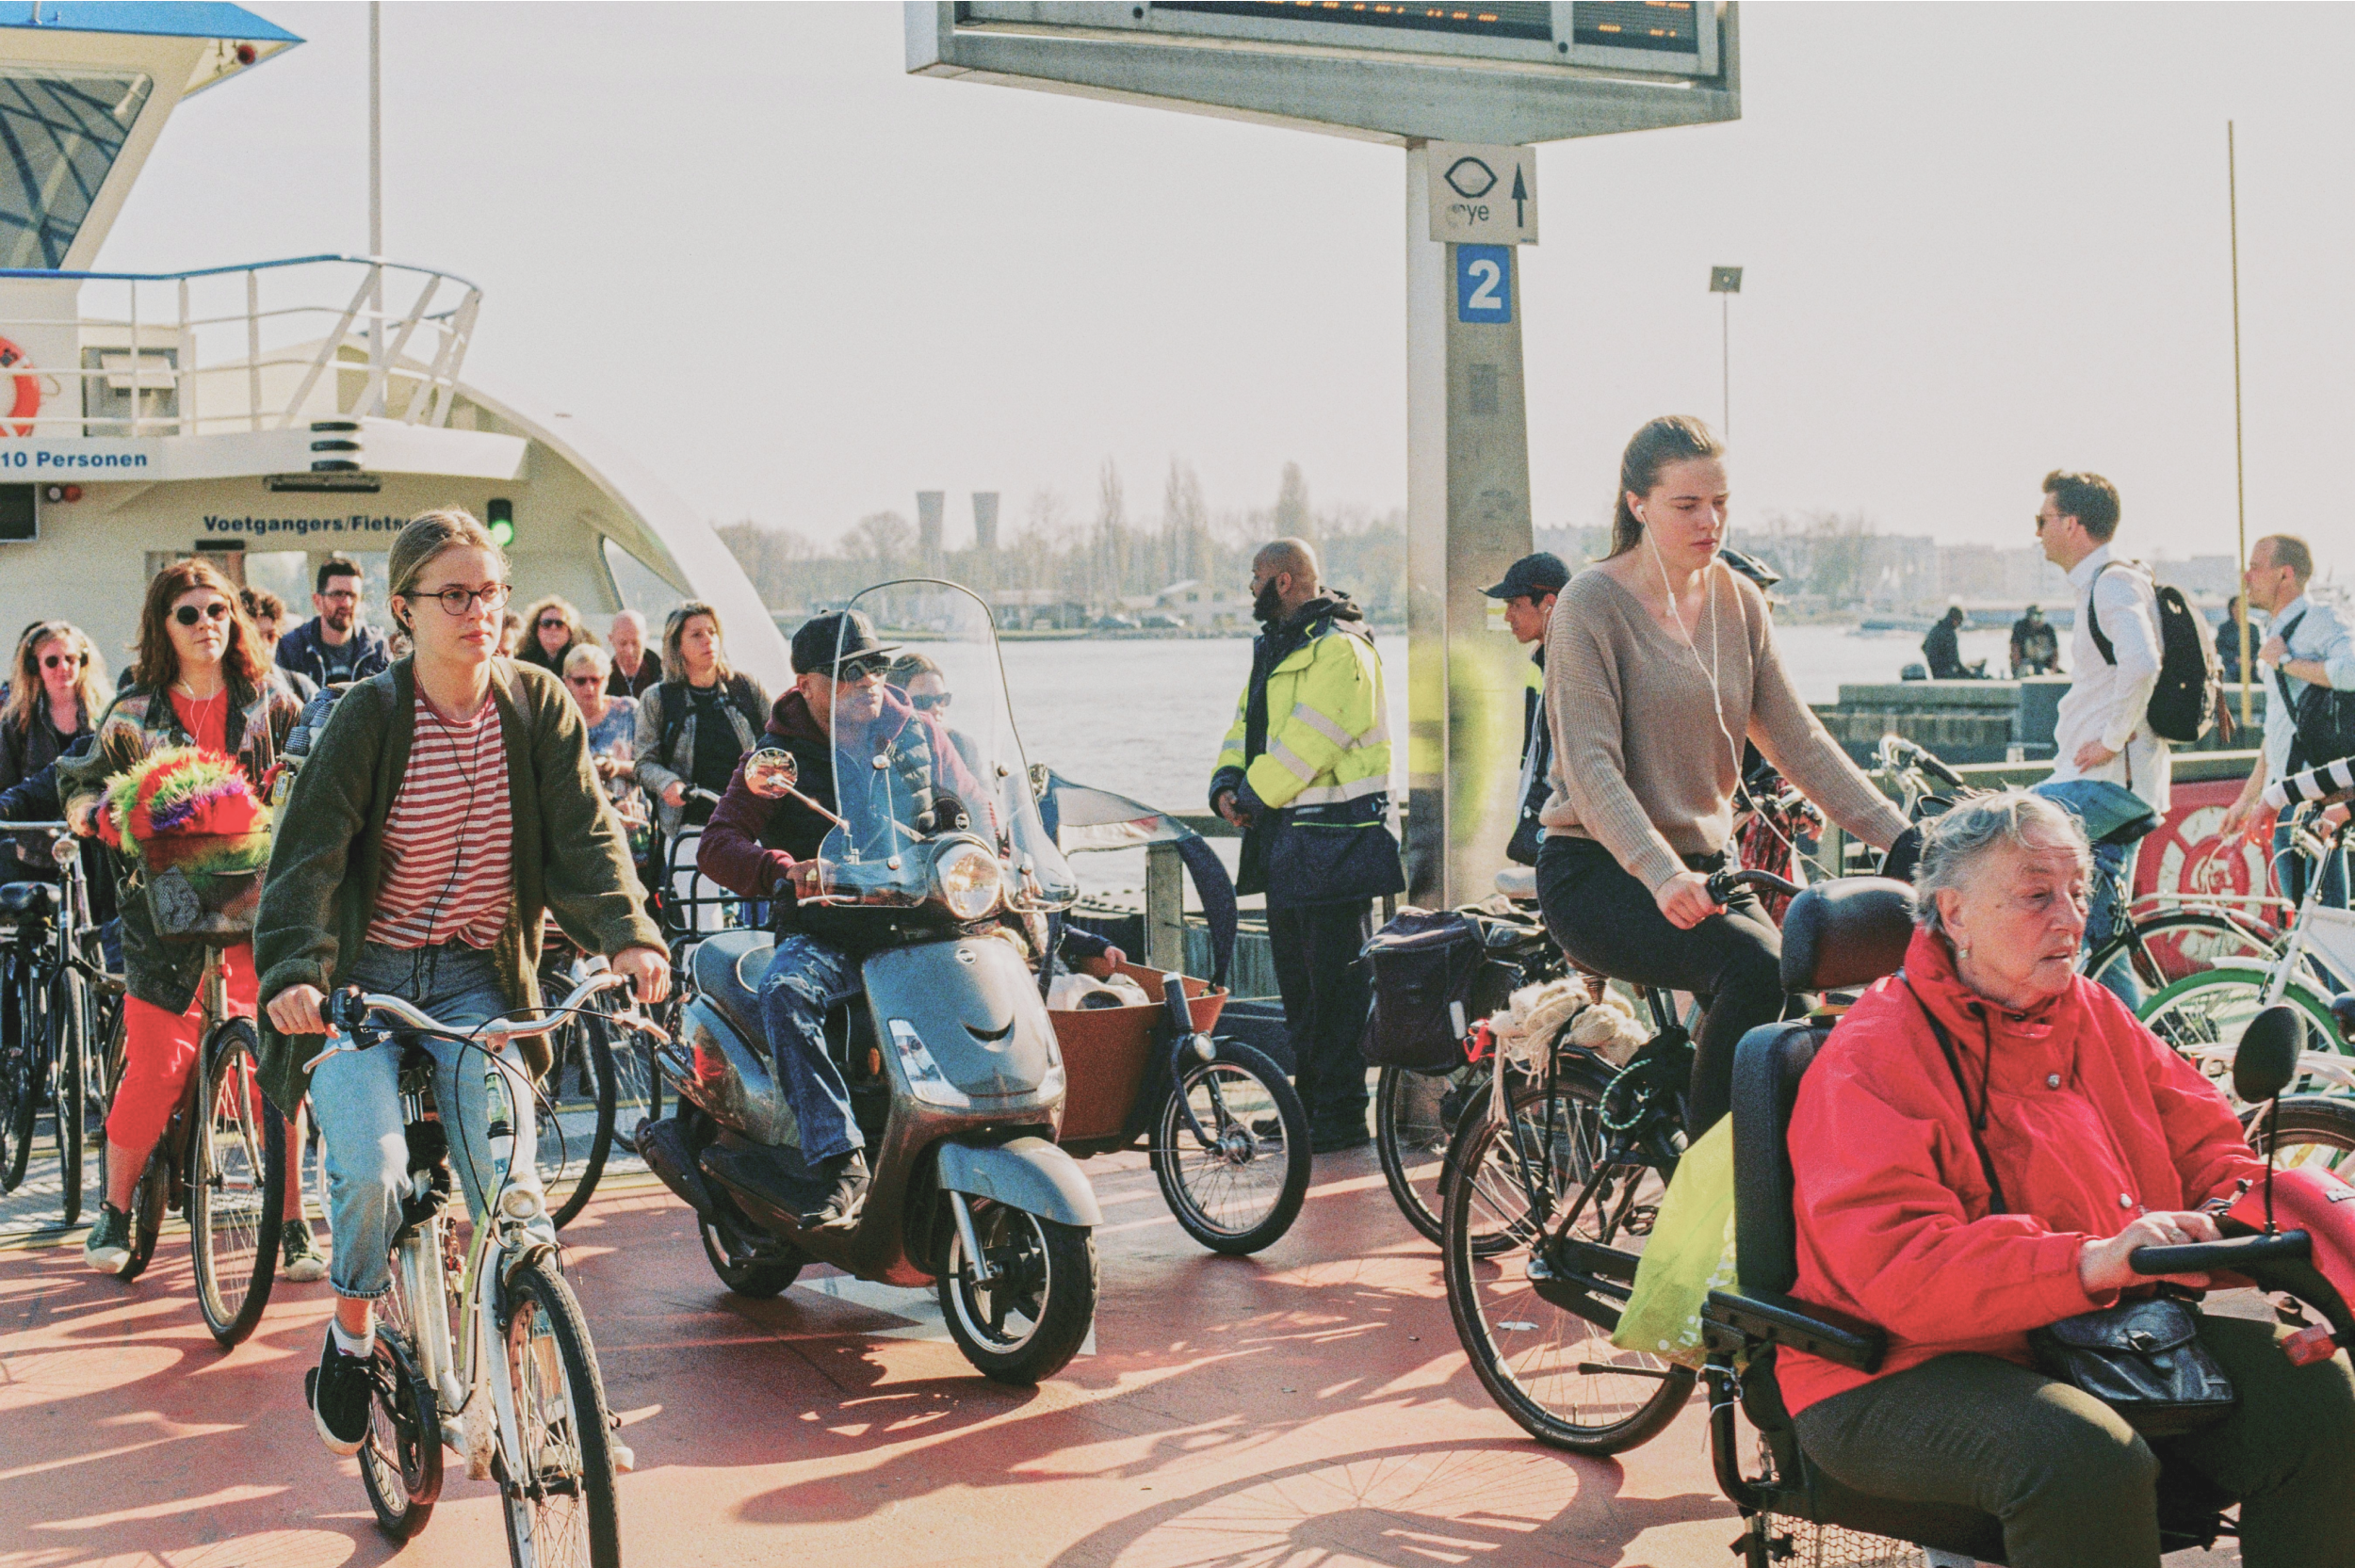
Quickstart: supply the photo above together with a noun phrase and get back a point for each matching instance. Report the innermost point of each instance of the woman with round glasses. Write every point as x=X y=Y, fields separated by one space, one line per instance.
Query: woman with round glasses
x=199 y=680
x=445 y=813
x=56 y=696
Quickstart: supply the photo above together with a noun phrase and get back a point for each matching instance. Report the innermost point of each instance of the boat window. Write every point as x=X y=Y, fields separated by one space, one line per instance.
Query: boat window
x=59 y=133
x=638 y=587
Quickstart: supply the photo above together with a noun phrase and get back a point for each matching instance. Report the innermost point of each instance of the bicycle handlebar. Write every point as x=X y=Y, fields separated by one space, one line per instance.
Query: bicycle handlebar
x=1897 y=752
x=349 y=1010
x=1723 y=884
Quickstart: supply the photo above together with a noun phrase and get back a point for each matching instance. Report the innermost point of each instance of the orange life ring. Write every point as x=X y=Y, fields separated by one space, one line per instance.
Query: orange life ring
x=20 y=418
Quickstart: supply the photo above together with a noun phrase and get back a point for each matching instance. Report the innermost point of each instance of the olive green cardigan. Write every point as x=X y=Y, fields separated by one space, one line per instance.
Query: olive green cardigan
x=571 y=859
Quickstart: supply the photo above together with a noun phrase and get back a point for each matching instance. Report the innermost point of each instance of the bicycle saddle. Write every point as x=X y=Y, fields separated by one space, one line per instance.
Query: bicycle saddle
x=36 y=899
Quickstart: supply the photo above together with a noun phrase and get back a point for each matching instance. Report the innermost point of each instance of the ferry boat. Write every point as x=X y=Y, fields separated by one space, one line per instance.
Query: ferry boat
x=266 y=414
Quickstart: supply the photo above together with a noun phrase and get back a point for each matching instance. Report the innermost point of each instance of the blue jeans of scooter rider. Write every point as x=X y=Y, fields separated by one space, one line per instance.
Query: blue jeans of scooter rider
x=807 y=976
x=2108 y=812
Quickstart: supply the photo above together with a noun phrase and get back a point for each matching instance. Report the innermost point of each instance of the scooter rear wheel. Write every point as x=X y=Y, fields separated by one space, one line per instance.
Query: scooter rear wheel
x=739 y=1270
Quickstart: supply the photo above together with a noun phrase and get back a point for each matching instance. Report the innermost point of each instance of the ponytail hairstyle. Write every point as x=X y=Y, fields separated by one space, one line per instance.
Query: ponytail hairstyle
x=1670 y=438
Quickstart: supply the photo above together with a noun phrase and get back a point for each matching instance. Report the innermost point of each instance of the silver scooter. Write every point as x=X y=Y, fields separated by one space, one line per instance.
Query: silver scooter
x=939 y=873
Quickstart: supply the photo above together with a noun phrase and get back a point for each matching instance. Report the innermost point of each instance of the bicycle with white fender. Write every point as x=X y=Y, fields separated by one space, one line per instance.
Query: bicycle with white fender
x=482 y=1347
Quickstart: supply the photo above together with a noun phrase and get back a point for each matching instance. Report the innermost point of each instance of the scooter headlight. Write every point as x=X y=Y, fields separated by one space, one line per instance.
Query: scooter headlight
x=969 y=881
x=925 y=1081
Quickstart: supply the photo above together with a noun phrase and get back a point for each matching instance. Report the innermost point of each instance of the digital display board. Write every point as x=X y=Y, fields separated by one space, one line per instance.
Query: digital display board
x=1667 y=25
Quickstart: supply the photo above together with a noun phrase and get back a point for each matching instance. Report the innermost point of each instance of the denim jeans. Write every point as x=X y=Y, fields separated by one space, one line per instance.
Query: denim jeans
x=807 y=975
x=2102 y=809
x=355 y=1099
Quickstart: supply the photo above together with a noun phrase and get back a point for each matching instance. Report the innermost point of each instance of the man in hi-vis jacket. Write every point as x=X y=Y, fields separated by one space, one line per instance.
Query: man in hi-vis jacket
x=1306 y=773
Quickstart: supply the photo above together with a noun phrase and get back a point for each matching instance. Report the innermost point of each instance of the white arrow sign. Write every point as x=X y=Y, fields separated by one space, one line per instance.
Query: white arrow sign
x=1483 y=195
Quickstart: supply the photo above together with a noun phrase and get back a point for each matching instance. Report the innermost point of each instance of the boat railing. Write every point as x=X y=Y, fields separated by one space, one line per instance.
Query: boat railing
x=240 y=348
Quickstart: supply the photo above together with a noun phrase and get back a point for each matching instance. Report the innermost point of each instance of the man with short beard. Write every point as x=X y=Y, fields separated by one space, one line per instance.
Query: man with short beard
x=336 y=647
x=1306 y=773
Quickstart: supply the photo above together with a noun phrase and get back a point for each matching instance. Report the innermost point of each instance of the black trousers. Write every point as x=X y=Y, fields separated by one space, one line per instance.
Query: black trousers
x=1324 y=986
x=1608 y=924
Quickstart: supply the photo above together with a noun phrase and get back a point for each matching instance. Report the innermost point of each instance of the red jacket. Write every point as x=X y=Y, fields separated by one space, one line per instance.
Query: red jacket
x=2091 y=1122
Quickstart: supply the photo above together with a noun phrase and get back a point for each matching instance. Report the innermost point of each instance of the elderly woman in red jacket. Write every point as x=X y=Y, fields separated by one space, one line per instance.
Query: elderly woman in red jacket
x=2102 y=1140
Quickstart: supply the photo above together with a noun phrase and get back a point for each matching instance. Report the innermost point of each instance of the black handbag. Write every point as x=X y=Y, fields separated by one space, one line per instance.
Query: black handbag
x=2142 y=1357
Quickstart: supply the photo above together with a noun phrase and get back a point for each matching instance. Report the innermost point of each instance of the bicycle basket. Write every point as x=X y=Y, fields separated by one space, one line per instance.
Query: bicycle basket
x=205 y=888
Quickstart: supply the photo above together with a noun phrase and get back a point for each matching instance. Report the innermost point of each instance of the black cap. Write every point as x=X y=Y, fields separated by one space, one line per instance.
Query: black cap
x=1535 y=575
x=825 y=640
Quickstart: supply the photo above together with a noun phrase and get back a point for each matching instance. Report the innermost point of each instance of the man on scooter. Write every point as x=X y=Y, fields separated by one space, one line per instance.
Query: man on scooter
x=768 y=848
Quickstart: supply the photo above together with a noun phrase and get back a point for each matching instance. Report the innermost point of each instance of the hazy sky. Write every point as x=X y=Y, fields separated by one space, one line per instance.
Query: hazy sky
x=1982 y=241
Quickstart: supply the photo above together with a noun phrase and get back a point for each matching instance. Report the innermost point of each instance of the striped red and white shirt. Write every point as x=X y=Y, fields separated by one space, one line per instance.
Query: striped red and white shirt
x=449 y=853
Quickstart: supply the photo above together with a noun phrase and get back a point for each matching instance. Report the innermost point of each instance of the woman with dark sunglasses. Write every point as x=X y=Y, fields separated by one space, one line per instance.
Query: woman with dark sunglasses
x=56 y=696
x=612 y=723
x=552 y=629
x=695 y=725
x=200 y=681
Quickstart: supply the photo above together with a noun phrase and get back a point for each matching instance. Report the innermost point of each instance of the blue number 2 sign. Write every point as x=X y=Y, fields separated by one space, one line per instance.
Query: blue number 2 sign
x=1483 y=282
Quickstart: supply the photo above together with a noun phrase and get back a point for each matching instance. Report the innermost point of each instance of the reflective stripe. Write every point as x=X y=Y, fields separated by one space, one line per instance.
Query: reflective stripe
x=1376 y=784
x=1303 y=713
x=1290 y=761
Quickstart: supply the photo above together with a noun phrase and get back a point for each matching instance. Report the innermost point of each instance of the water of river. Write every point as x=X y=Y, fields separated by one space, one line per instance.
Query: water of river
x=1144 y=716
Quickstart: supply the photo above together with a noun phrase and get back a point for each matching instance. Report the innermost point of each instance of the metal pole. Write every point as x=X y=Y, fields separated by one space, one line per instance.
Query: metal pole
x=1725 y=343
x=2240 y=473
x=376 y=190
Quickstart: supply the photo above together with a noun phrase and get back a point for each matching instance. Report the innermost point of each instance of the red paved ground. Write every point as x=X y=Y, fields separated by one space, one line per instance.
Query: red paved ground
x=1308 y=1407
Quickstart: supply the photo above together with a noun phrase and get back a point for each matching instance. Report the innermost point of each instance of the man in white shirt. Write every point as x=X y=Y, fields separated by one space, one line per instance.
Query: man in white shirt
x=2308 y=645
x=2108 y=768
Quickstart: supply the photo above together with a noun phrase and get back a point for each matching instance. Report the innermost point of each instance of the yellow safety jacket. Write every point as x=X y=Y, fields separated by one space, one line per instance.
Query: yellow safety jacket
x=1309 y=757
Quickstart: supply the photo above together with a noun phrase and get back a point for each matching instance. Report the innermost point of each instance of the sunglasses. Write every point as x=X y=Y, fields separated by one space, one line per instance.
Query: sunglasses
x=928 y=704
x=551 y=623
x=583 y=680
x=188 y=615
x=72 y=661
x=865 y=669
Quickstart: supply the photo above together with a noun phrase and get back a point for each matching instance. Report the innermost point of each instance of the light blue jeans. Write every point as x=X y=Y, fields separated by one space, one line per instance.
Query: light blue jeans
x=355 y=1099
x=807 y=975
x=2105 y=810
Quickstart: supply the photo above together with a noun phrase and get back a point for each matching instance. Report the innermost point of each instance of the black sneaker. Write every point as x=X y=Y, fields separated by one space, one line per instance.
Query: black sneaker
x=299 y=1256
x=338 y=1390
x=109 y=1246
x=1338 y=1139
x=841 y=1209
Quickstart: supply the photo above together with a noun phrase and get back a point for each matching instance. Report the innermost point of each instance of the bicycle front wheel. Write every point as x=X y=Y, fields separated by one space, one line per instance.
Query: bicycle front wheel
x=236 y=1186
x=1240 y=1189
x=1555 y=1373
x=19 y=1074
x=2181 y=942
x=68 y=1051
x=559 y=1490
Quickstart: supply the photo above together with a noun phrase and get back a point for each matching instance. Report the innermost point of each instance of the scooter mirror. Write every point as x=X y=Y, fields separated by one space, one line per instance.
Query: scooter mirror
x=771 y=771
x=2343 y=1010
x=2266 y=1063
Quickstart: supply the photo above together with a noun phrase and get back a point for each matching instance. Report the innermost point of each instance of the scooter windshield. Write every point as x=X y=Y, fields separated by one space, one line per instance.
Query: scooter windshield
x=930 y=781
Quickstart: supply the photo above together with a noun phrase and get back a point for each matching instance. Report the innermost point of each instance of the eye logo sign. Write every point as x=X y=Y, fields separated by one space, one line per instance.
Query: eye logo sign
x=1470 y=178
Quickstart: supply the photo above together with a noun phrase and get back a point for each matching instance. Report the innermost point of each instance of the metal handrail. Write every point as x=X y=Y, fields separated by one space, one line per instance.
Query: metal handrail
x=429 y=377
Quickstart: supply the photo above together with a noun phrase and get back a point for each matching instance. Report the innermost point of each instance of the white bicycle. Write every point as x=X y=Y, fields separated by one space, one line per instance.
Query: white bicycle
x=482 y=1349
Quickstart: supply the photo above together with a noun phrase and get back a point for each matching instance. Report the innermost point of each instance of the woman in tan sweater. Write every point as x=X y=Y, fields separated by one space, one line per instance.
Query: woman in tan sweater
x=1659 y=661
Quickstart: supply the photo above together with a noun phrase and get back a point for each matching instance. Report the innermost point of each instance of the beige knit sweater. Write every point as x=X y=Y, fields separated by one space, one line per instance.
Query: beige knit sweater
x=1640 y=762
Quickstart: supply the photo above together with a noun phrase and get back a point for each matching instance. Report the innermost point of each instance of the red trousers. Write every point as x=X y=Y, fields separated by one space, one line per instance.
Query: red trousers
x=160 y=1053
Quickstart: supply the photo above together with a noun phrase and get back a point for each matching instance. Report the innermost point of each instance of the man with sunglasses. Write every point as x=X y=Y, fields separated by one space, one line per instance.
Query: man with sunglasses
x=336 y=647
x=765 y=848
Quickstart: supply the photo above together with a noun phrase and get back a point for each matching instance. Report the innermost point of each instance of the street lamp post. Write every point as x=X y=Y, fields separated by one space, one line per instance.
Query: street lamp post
x=1726 y=282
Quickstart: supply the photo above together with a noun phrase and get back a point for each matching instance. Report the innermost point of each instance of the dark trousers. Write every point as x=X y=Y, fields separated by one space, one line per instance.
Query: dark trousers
x=2074 y=1485
x=1324 y=986
x=1608 y=924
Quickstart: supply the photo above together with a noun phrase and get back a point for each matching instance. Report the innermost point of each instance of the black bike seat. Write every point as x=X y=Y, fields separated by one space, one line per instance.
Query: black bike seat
x=34 y=900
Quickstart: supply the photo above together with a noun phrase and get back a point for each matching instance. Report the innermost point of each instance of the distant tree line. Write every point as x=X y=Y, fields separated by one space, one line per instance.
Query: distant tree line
x=1109 y=557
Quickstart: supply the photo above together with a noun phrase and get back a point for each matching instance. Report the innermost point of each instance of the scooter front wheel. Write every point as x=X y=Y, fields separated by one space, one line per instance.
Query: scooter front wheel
x=1032 y=1316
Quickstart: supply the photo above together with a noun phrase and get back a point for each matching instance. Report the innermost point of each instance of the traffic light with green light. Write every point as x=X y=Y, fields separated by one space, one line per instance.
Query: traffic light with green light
x=501 y=522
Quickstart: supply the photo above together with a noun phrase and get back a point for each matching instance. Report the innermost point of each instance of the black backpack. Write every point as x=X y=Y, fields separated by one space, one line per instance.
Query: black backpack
x=2324 y=717
x=2185 y=704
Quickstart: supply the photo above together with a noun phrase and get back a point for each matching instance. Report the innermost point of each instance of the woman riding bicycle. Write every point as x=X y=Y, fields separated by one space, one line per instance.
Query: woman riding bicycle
x=1659 y=662
x=200 y=681
x=448 y=802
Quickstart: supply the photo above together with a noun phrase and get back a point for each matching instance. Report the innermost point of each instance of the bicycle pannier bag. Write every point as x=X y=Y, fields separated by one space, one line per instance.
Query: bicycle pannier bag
x=1420 y=963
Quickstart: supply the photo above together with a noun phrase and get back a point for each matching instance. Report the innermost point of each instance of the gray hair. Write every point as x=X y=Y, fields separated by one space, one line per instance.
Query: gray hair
x=1953 y=845
x=588 y=655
